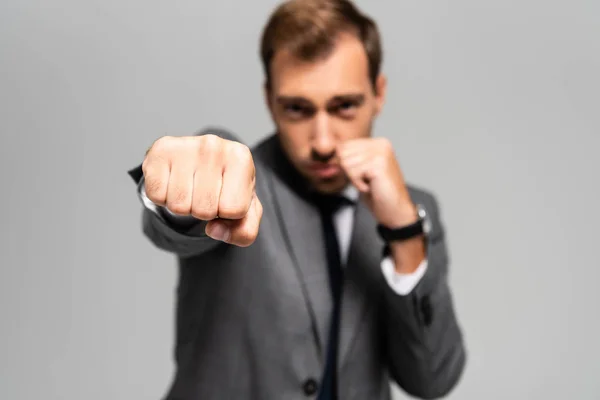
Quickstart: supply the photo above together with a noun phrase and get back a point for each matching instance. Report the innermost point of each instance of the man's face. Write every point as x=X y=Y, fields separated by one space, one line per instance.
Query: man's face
x=318 y=105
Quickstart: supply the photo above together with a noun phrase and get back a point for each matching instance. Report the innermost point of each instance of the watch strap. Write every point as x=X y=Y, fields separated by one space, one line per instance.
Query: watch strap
x=401 y=234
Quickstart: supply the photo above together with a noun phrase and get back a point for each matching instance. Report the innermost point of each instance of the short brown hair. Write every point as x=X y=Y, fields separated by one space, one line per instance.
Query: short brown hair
x=309 y=28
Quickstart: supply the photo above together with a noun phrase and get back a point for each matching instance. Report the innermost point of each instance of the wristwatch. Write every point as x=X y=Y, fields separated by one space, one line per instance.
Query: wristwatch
x=421 y=227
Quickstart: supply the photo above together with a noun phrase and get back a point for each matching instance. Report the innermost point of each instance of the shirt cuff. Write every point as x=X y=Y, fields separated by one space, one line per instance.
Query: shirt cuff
x=145 y=200
x=402 y=284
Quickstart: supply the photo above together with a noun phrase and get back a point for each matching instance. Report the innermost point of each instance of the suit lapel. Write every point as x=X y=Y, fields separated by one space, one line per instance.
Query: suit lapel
x=364 y=255
x=301 y=228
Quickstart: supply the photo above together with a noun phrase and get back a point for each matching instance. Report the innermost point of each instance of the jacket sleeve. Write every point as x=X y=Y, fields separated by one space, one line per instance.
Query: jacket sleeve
x=184 y=237
x=424 y=344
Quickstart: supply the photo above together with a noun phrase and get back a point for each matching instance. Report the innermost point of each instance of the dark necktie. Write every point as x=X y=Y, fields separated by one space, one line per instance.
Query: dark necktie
x=328 y=205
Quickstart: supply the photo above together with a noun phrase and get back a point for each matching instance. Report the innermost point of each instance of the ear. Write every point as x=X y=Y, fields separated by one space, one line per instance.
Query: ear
x=380 y=92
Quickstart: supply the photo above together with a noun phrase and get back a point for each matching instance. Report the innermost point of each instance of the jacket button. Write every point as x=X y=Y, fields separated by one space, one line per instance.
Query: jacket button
x=310 y=387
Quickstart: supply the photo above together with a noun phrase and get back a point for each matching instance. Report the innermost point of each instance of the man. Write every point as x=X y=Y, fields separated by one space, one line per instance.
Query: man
x=308 y=268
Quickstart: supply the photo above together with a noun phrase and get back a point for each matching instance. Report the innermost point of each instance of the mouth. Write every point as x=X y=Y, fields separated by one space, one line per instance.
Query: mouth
x=324 y=171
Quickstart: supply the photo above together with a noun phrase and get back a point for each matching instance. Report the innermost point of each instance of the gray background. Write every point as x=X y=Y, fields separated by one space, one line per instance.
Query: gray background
x=493 y=105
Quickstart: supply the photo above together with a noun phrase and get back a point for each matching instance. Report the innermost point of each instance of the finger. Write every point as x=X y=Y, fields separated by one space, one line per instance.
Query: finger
x=354 y=166
x=352 y=147
x=357 y=177
x=156 y=179
x=238 y=183
x=353 y=161
x=208 y=180
x=360 y=184
x=179 y=191
x=241 y=232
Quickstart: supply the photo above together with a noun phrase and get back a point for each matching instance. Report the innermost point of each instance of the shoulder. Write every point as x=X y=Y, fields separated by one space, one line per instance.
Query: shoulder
x=423 y=196
x=427 y=199
x=264 y=149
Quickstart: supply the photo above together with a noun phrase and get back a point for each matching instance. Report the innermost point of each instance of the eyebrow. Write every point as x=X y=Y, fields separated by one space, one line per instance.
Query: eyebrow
x=292 y=99
x=354 y=98
x=358 y=98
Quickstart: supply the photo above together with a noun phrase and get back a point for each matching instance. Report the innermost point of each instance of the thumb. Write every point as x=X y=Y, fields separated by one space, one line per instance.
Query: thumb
x=242 y=232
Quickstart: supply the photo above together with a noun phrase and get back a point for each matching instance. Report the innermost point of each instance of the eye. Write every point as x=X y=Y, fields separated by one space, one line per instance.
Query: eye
x=347 y=105
x=296 y=111
x=345 y=109
x=293 y=108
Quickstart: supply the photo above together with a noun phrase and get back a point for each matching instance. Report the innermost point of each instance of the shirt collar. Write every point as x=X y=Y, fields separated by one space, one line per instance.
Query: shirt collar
x=351 y=193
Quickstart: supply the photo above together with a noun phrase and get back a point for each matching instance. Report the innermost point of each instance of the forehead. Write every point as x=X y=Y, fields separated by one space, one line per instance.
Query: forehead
x=345 y=69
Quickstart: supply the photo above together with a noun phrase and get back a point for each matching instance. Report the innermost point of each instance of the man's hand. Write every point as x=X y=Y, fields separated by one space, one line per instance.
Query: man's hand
x=210 y=178
x=372 y=167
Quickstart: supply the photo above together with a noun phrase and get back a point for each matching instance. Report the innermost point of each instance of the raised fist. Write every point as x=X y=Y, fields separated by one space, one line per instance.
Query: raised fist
x=210 y=178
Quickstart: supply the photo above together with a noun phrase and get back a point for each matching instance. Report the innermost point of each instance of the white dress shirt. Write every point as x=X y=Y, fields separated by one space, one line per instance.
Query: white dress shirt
x=402 y=284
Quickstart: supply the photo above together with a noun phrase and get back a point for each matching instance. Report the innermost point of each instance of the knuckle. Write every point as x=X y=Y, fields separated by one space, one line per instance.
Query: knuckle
x=180 y=195
x=204 y=214
x=178 y=201
x=246 y=236
x=161 y=145
x=178 y=208
x=242 y=154
x=232 y=211
x=210 y=143
x=205 y=208
x=154 y=186
x=240 y=151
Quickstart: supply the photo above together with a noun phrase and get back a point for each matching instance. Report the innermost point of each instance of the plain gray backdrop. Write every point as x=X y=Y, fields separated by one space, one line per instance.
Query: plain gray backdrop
x=494 y=105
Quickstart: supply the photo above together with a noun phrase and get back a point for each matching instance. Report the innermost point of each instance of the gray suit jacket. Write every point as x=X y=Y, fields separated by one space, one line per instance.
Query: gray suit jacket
x=251 y=323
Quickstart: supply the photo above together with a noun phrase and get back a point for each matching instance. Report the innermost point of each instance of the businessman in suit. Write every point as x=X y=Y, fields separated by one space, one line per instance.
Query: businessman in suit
x=308 y=267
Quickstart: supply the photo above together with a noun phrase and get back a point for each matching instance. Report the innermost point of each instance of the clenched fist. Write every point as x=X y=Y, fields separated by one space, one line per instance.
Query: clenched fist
x=210 y=178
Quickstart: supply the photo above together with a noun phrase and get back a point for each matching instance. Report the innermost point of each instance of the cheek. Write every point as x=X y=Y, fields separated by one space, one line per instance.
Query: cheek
x=356 y=128
x=365 y=122
x=296 y=140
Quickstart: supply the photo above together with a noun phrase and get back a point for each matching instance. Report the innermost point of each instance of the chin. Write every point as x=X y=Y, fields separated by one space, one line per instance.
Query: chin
x=330 y=186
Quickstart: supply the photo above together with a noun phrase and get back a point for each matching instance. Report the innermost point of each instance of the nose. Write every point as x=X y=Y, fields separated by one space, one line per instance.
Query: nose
x=324 y=141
